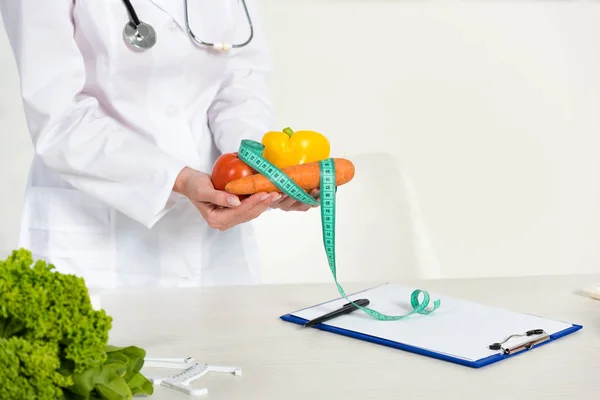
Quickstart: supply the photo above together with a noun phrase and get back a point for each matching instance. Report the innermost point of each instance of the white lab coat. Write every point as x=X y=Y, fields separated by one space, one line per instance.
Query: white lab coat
x=112 y=128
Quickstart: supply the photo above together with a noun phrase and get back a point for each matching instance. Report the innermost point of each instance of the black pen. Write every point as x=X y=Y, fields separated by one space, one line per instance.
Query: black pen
x=346 y=309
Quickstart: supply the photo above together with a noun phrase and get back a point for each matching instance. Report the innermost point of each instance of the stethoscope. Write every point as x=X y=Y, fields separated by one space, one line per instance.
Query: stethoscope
x=142 y=36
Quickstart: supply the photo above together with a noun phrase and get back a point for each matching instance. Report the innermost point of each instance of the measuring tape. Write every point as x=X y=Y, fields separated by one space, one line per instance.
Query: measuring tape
x=251 y=153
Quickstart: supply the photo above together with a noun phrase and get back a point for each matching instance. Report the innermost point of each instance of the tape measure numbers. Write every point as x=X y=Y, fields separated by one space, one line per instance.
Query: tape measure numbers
x=251 y=153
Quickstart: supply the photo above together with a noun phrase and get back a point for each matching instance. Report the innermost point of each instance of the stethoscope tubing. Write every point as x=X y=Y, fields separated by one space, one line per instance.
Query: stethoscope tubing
x=134 y=23
x=132 y=14
x=193 y=36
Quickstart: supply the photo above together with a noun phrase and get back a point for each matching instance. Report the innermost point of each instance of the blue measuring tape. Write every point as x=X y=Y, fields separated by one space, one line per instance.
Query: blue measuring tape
x=251 y=153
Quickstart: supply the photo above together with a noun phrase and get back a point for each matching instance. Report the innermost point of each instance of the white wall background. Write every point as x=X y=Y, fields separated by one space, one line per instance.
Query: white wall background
x=486 y=112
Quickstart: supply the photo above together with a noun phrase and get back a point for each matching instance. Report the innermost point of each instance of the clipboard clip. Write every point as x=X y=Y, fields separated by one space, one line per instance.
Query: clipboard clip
x=541 y=336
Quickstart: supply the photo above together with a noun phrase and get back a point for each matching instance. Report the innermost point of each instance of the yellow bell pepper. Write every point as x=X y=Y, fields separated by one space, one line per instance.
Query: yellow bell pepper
x=288 y=148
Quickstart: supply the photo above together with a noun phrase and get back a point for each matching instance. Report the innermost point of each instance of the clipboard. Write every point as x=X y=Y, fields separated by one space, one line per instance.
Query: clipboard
x=459 y=331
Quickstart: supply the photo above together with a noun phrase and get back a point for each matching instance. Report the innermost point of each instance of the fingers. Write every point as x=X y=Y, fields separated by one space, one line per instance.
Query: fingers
x=300 y=207
x=222 y=214
x=222 y=210
x=221 y=198
x=289 y=204
x=255 y=207
x=285 y=202
x=202 y=190
x=225 y=218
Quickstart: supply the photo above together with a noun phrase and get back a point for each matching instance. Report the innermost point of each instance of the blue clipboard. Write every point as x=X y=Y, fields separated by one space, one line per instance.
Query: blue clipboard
x=484 y=361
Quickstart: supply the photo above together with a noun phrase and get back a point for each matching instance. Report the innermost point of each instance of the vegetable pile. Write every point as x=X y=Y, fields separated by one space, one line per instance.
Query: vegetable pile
x=297 y=154
x=53 y=344
x=307 y=176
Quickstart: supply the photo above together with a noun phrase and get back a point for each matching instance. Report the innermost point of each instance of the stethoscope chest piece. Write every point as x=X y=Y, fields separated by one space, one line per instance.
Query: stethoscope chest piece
x=142 y=36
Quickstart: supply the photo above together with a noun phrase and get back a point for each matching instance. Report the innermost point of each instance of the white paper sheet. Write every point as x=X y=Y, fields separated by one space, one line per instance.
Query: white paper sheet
x=459 y=328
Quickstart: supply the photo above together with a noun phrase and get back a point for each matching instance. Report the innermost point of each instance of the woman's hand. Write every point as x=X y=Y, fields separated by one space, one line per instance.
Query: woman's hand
x=286 y=203
x=220 y=209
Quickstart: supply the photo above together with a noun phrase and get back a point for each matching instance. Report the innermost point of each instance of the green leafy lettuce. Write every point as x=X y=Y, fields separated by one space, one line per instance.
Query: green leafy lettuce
x=53 y=344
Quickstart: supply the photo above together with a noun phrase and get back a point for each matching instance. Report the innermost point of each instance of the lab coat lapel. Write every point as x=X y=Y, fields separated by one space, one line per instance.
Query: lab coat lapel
x=175 y=8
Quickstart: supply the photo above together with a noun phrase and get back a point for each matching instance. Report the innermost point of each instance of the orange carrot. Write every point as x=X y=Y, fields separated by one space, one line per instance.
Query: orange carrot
x=307 y=176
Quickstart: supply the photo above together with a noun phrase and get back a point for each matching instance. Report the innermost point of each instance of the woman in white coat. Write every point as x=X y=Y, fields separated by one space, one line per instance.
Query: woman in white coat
x=124 y=139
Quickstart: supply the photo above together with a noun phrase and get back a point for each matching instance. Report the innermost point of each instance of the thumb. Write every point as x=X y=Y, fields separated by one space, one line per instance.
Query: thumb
x=221 y=198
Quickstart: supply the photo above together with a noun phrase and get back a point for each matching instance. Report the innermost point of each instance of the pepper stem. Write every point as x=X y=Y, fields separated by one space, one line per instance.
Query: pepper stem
x=288 y=131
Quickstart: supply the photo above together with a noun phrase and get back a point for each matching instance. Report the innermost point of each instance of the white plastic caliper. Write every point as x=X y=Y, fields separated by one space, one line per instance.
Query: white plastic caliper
x=592 y=291
x=192 y=370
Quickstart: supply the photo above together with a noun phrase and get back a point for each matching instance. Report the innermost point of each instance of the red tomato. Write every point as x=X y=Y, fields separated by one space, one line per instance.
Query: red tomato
x=227 y=168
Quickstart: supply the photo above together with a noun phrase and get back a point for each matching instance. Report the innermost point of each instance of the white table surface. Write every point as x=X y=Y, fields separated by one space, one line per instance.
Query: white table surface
x=280 y=360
